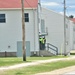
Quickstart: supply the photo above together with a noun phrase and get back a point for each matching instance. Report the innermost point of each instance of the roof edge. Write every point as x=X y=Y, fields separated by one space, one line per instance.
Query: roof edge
x=15 y=8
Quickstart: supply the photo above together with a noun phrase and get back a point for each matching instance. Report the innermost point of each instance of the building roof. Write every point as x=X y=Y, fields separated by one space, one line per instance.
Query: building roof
x=73 y=19
x=17 y=4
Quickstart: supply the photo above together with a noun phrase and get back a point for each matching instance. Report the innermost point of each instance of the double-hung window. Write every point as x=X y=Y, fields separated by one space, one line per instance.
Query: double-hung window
x=2 y=18
x=26 y=17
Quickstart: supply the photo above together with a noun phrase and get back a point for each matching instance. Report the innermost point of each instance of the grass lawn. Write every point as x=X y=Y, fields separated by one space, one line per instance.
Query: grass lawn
x=39 y=68
x=15 y=60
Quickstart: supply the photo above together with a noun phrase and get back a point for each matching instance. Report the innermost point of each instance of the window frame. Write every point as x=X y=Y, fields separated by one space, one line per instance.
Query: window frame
x=26 y=15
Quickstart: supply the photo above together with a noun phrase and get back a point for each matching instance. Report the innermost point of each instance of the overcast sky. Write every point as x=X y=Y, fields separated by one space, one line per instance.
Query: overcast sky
x=58 y=6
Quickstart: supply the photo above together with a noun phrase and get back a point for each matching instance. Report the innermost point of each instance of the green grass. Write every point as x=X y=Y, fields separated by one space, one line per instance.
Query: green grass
x=39 y=68
x=44 y=58
x=72 y=53
x=14 y=60
x=10 y=61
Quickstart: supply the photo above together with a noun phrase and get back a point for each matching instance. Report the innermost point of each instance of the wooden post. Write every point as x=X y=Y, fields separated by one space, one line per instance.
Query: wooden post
x=23 y=32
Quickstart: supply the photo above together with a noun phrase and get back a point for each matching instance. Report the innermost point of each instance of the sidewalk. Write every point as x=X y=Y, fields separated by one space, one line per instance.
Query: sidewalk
x=36 y=63
x=70 y=73
x=63 y=71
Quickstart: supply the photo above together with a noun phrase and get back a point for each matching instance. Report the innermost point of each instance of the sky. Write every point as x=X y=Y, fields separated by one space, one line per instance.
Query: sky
x=58 y=6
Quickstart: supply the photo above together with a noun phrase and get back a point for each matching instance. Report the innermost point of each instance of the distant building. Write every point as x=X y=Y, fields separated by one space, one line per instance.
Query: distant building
x=73 y=32
x=72 y=19
x=54 y=25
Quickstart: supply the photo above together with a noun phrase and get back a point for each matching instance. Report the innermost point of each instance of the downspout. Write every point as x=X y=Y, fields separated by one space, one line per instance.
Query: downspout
x=38 y=31
x=34 y=31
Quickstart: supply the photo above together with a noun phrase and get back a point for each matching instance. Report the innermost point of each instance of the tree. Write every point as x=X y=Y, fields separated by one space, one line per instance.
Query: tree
x=71 y=16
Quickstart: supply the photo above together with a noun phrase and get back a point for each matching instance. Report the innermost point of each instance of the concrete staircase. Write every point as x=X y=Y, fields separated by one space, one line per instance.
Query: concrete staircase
x=45 y=53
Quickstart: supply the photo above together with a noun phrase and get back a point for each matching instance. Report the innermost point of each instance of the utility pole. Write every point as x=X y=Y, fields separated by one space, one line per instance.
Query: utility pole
x=64 y=28
x=23 y=32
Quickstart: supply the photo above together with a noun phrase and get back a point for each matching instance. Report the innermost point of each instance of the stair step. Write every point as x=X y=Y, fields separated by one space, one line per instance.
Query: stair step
x=45 y=53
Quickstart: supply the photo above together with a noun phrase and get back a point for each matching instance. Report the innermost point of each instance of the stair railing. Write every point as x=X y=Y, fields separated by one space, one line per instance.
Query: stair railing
x=52 y=47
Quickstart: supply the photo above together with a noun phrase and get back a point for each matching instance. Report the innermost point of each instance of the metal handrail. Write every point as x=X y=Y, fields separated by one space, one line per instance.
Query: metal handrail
x=49 y=46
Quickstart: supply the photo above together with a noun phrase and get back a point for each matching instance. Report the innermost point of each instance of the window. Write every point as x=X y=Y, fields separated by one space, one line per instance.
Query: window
x=2 y=18
x=26 y=17
x=43 y=25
